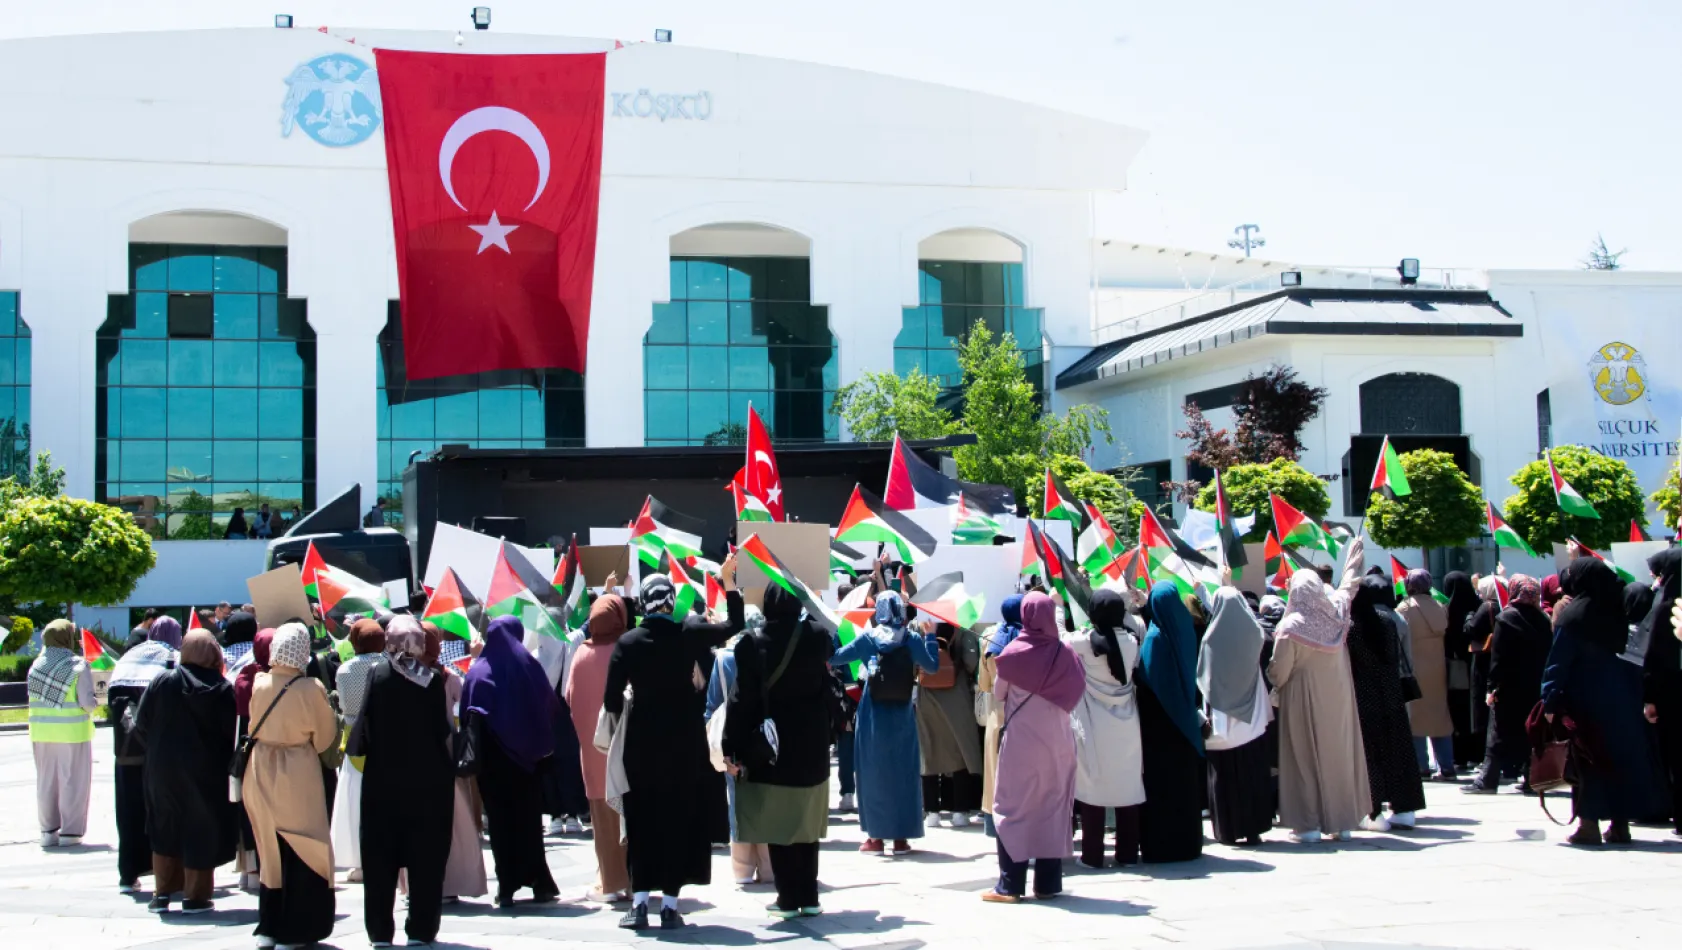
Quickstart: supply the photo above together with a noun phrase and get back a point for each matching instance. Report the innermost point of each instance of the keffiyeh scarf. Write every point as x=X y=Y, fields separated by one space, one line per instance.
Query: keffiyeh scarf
x=52 y=675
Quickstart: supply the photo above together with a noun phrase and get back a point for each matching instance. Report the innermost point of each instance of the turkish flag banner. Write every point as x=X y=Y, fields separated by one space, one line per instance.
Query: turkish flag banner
x=495 y=164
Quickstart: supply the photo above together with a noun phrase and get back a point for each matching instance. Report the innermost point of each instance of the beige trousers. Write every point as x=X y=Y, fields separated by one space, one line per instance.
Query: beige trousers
x=63 y=781
x=613 y=868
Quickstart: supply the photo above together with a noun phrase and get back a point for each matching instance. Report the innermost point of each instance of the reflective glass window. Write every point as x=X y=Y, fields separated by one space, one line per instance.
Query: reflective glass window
x=14 y=388
x=956 y=295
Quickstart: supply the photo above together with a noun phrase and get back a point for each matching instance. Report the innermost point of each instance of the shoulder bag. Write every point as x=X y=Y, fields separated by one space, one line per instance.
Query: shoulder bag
x=242 y=750
x=467 y=747
x=1553 y=766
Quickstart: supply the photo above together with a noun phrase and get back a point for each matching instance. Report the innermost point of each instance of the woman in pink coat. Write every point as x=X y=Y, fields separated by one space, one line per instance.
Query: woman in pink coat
x=586 y=681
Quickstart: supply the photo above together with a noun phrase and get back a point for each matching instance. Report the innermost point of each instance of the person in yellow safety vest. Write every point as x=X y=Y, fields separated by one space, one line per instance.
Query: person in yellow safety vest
x=61 y=704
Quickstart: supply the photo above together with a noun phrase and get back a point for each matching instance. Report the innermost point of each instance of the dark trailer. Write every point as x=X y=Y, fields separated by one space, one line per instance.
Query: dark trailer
x=539 y=496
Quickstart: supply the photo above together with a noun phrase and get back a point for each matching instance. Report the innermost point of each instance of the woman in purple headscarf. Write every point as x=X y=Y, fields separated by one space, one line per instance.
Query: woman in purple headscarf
x=1040 y=681
x=508 y=701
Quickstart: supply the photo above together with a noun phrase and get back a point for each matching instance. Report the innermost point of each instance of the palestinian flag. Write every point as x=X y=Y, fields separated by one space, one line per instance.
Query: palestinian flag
x=1505 y=536
x=1398 y=576
x=760 y=480
x=1296 y=529
x=193 y=620
x=945 y=599
x=1280 y=562
x=867 y=518
x=971 y=525
x=1232 y=549
x=659 y=528
x=344 y=595
x=689 y=590
x=1097 y=545
x=313 y=565
x=914 y=483
x=1128 y=569
x=1077 y=593
x=1389 y=472
x=1566 y=497
x=463 y=665
x=454 y=608
x=1154 y=536
x=1061 y=503
x=1037 y=557
x=715 y=595
x=519 y=590
x=748 y=507
x=1623 y=575
x=94 y=652
x=573 y=589
x=851 y=617
x=1637 y=533
x=842 y=558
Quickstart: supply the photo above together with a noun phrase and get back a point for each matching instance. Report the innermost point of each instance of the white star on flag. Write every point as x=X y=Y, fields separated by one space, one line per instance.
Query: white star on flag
x=494 y=234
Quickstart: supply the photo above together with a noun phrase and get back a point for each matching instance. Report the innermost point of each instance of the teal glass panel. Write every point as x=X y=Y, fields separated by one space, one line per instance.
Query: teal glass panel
x=190 y=268
x=670 y=322
x=906 y=360
x=190 y=461
x=25 y=371
x=708 y=280
x=708 y=367
x=914 y=328
x=279 y=364
x=280 y=461
x=499 y=414
x=1014 y=295
x=142 y=460
x=143 y=412
x=456 y=416
x=708 y=414
x=413 y=420
x=745 y=327
x=8 y=361
x=236 y=460
x=235 y=270
x=531 y=413
x=747 y=275
x=666 y=415
x=280 y=413
x=235 y=413
x=151 y=317
x=235 y=316
x=749 y=368
x=190 y=362
x=145 y=363
x=679 y=279
x=149 y=266
x=190 y=414
x=235 y=362
x=709 y=322
x=271 y=270
x=665 y=367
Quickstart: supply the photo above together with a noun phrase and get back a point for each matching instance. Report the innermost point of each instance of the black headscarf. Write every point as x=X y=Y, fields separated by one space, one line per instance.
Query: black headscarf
x=240 y=627
x=1462 y=599
x=1638 y=602
x=782 y=611
x=1596 y=610
x=1108 y=612
x=1664 y=651
x=1366 y=608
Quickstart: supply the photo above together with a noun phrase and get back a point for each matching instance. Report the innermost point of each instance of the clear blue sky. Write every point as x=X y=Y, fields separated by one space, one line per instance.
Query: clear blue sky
x=1481 y=133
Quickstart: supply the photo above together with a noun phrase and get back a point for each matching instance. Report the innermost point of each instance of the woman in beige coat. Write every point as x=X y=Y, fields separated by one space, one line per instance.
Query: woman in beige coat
x=1427 y=623
x=1323 y=784
x=292 y=723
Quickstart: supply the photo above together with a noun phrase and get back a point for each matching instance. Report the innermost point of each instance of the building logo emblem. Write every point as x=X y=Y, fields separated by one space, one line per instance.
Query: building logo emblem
x=1617 y=371
x=335 y=99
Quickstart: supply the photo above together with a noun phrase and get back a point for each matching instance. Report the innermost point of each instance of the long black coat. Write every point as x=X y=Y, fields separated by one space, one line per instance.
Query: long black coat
x=1517 y=656
x=1386 y=736
x=798 y=704
x=187 y=721
x=408 y=777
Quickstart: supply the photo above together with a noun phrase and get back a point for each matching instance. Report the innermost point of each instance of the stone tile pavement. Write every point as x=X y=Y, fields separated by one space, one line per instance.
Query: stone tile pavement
x=1485 y=872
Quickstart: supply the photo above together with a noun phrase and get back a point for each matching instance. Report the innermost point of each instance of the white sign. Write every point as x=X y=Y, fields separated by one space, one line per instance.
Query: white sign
x=473 y=556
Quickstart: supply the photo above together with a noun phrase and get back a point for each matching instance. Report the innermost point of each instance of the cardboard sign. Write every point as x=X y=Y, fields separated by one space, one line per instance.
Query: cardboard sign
x=600 y=560
x=1254 y=577
x=279 y=596
x=473 y=557
x=803 y=547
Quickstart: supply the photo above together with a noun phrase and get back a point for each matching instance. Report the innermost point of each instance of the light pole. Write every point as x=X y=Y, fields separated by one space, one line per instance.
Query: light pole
x=1249 y=238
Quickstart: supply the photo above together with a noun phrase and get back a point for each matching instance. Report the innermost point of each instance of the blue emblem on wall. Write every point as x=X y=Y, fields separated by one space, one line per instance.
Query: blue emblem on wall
x=335 y=99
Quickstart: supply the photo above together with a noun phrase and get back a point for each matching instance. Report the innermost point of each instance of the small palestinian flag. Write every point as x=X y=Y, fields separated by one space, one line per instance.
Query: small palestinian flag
x=852 y=616
x=1232 y=549
x=1061 y=503
x=1037 y=560
x=1637 y=533
x=193 y=620
x=659 y=528
x=1128 y=569
x=689 y=591
x=972 y=525
x=1623 y=575
x=1389 y=473
x=519 y=590
x=1566 y=497
x=94 y=653
x=867 y=518
x=573 y=589
x=1279 y=561
x=842 y=558
x=1097 y=545
x=757 y=551
x=1505 y=536
x=715 y=595
x=463 y=665
x=454 y=608
x=748 y=507
x=1296 y=529
x=313 y=564
x=1398 y=576
x=1155 y=536
x=945 y=599
x=1077 y=593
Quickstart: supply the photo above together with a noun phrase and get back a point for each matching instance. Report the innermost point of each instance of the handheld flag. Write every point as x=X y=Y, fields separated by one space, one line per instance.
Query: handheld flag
x=945 y=599
x=1389 y=473
x=193 y=620
x=748 y=507
x=343 y=595
x=842 y=558
x=1568 y=499
x=94 y=653
x=1623 y=575
x=463 y=665
x=688 y=591
x=1232 y=549
x=762 y=481
x=1128 y=569
x=312 y=566
x=519 y=590
x=659 y=528
x=972 y=525
x=1060 y=502
x=715 y=595
x=1505 y=536
x=1096 y=547
x=1637 y=533
x=1296 y=529
x=914 y=483
x=867 y=518
x=1038 y=559
x=454 y=608
x=1155 y=536
x=573 y=589
x=1398 y=576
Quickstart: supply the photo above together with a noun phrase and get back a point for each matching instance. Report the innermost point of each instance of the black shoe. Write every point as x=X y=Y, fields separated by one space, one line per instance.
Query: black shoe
x=1478 y=788
x=669 y=919
x=197 y=907
x=158 y=905
x=636 y=918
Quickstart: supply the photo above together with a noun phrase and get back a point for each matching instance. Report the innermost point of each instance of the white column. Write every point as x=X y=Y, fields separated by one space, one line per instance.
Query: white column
x=64 y=304
x=861 y=284
x=347 y=324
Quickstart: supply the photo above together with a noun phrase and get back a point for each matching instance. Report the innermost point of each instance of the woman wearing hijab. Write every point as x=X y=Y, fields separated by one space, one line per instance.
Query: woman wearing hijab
x=508 y=702
x=367 y=638
x=1040 y=683
x=292 y=723
x=1517 y=656
x=947 y=734
x=885 y=737
x=257 y=662
x=585 y=683
x=1171 y=729
x=236 y=635
x=1235 y=697
x=1463 y=602
x=668 y=823
x=1586 y=680
x=749 y=863
x=134 y=672
x=1323 y=786
x=61 y=705
x=403 y=734
x=782 y=800
x=1375 y=660
x=464 y=871
x=1433 y=729
x=1662 y=668
x=1551 y=593
x=1480 y=630
x=997 y=639
x=1108 y=755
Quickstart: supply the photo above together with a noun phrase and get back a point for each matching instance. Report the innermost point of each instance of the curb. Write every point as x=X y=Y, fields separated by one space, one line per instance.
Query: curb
x=24 y=726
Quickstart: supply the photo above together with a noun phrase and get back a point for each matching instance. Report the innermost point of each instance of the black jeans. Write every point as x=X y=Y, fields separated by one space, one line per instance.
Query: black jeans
x=796 y=868
x=958 y=791
x=1092 y=834
x=1013 y=875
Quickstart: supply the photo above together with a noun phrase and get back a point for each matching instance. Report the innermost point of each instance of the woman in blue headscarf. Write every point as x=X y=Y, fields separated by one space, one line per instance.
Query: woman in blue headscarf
x=1171 y=731
x=890 y=785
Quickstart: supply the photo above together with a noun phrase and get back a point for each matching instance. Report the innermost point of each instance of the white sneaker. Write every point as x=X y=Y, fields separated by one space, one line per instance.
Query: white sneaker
x=1345 y=836
x=69 y=841
x=931 y=820
x=960 y=819
x=49 y=839
x=574 y=826
x=354 y=877
x=847 y=803
x=264 y=943
x=1305 y=837
x=1375 y=824
x=558 y=826
x=1404 y=820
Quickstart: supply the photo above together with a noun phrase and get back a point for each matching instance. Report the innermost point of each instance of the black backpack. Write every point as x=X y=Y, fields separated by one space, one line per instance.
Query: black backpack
x=894 y=677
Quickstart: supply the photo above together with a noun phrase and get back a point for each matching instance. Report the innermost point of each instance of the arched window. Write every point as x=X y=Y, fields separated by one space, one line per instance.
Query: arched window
x=965 y=276
x=14 y=388
x=1410 y=404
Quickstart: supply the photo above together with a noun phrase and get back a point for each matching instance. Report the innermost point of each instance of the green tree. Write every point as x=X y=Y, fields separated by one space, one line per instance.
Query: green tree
x=191 y=518
x=878 y=404
x=1247 y=488
x=60 y=550
x=19 y=631
x=1120 y=506
x=1443 y=510
x=1668 y=499
x=731 y=433
x=1002 y=411
x=1608 y=484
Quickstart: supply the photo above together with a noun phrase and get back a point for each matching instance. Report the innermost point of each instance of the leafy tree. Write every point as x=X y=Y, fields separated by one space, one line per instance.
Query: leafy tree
x=60 y=550
x=1074 y=432
x=1247 y=488
x=731 y=433
x=1601 y=257
x=1668 y=499
x=19 y=631
x=878 y=404
x=1443 y=510
x=1120 y=506
x=44 y=481
x=1003 y=412
x=1608 y=484
x=191 y=518
x=1268 y=418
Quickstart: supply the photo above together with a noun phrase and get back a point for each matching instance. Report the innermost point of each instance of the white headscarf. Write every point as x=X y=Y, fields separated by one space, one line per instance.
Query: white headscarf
x=1312 y=617
x=290 y=647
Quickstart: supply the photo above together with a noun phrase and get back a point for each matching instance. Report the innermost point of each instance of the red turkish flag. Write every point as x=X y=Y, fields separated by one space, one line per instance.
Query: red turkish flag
x=762 y=480
x=495 y=169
